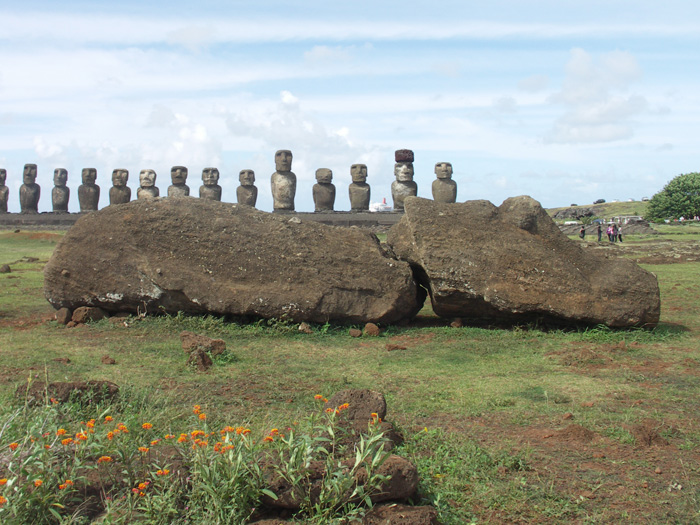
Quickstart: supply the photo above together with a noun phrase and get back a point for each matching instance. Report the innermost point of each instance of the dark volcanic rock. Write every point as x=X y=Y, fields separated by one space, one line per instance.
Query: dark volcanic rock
x=201 y=256
x=512 y=263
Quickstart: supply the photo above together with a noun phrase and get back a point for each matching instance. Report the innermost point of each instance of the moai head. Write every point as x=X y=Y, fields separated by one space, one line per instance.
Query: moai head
x=210 y=176
x=119 y=177
x=324 y=176
x=246 y=177
x=178 y=174
x=443 y=170
x=403 y=171
x=358 y=172
x=89 y=175
x=3 y=176
x=283 y=160
x=60 y=176
x=29 y=174
x=147 y=178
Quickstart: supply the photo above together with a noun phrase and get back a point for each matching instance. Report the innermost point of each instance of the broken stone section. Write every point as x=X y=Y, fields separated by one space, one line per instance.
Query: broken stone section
x=201 y=256
x=511 y=263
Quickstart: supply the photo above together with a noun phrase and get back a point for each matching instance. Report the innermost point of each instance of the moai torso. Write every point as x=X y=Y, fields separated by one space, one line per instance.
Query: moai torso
x=89 y=192
x=210 y=189
x=4 y=191
x=324 y=190
x=283 y=182
x=247 y=193
x=444 y=188
x=359 y=189
x=147 y=188
x=60 y=194
x=29 y=192
x=403 y=186
x=179 y=188
x=119 y=193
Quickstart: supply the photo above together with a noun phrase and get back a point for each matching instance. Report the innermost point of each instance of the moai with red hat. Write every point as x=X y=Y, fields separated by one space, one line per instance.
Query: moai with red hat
x=403 y=186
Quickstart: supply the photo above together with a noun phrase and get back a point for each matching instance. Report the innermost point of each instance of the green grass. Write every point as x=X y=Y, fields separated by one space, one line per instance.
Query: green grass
x=474 y=404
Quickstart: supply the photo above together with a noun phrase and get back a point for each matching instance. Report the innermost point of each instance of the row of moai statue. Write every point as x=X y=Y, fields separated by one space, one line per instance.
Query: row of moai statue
x=283 y=185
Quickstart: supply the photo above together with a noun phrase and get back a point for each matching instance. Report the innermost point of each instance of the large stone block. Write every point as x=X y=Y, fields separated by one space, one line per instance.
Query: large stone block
x=202 y=256
x=512 y=263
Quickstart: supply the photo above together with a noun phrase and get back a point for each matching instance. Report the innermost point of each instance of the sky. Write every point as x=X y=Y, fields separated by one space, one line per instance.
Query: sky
x=563 y=100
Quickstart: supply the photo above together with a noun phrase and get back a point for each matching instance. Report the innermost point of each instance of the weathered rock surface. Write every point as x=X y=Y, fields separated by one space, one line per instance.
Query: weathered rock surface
x=86 y=392
x=200 y=256
x=512 y=263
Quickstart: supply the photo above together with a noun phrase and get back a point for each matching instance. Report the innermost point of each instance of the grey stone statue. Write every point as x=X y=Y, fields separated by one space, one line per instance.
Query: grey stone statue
x=444 y=188
x=324 y=190
x=147 y=185
x=283 y=182
x=60 y=192
x=179 y=188
x=88 y=191
x=359 y=189
x=403 y=186
x=119 y=193
x=29 y=191
x=247 y=193
x=210 y=189
x=4 y=191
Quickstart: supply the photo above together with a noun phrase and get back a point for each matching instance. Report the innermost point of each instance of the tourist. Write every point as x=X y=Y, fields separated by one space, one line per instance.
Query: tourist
x=582 y=232
x=600 y=232
x=619 y=233
x=609 y=232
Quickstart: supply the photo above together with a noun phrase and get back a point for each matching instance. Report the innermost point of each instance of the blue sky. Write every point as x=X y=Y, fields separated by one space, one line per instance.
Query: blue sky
x=565 y=101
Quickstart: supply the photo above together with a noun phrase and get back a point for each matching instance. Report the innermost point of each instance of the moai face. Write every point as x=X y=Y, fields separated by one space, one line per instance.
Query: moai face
x=29 y=174
x=89 y=175
x=443 y=170
x=403 y=171
x=178 y=174
x=246 y=177
x=358 y=172
x=119 y=178
x=210 y=176
x=3 y=176
x=283 y=160
x=324 y=176
x=147 y=178
x=60 y=177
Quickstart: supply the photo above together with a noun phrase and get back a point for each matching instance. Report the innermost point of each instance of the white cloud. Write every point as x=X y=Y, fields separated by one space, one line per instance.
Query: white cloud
x=533 y=83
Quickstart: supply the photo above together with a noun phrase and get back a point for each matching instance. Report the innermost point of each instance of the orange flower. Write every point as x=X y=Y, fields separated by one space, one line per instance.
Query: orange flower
x=318 y=397
x=108 y=419
x=227 y=429
x=3 y=500
x=54 y=401
x=329 y=410
x=3 y=481
x=374 y=415
x=268 y=438
x=90 y=424
x=163 y=472
x=65 y=485
x=144 y=485
x=13 y=446
x=155 y=442
x=226 y=447
x=66 y=442
x=344 y=406
x=122 y=428
x=110 y=435
x=105 y=459
x=82 y=436
x=38 y=483
x=197 y=433
x=61 y=432
x=202 y=416
x=274 y=432
x=143 y=450
x=169 y=436
x=147 y=426
x=197 y=409
x=47 y=447
x=182 y=438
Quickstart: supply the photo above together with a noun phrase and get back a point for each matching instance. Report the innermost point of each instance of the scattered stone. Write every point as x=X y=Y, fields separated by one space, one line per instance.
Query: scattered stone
x=403 y=482
x=5 y=268
x=63 y=315
x=371 y=329
x=106 y=360
x=84 y=314
x=200 y=360
x=512 y=263
x=355 y=332
x=225 y=259
x=71 y=324
x=457 y=323
x=567 y=416
x=305 y=328
x=587 y=404
x=598 y=455
x=657 y=470
x=390 y=347
x=194 y=342
x=87 y=392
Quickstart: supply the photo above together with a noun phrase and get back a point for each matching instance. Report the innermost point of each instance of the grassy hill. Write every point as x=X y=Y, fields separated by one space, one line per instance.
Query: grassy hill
x=610 y=209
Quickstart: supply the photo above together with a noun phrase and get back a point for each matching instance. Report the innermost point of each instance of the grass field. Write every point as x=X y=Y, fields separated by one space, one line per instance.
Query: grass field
x=505 y=425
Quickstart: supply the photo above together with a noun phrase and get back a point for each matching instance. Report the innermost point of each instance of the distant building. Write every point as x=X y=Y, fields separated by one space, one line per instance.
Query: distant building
x=380 y=206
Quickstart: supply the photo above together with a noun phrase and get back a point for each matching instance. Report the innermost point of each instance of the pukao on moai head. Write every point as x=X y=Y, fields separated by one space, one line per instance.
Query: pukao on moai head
x=403 y=186
x=178 y=188
x=119 y=193
x=210 y=189
x=29 y=191
x=247 y=193
x=147 y=185
x=4 y=191
x=60 y=192
x=89 y=192
x=324 y=190
x=359 y=189
x=444 y=188
x=283 y=182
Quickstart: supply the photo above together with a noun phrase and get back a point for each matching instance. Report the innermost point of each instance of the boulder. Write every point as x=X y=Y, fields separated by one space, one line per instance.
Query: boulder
x=192 y=342
x=85 y=314
x=201 y=256
x=511 y=263
x=85 y=392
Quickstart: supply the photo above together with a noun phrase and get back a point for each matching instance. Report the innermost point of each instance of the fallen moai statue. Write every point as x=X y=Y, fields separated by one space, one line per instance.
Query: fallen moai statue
x=202 y=256
x=512 y=263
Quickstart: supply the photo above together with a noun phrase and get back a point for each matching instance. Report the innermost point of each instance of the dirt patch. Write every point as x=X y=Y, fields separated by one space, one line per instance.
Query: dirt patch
x=408 y=341
x=43 y=236
x=646 y=434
